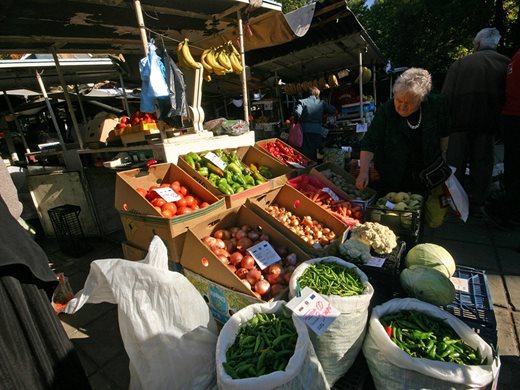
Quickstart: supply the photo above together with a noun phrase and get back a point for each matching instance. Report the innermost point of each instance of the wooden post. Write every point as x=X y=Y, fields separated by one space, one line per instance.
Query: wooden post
x=245 y=98
x=142 y=28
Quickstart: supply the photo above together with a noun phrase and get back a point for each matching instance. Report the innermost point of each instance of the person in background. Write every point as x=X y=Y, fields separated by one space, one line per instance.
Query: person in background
x=506 y=212
x=407 y=134
x=475 y=89
x=310 y=115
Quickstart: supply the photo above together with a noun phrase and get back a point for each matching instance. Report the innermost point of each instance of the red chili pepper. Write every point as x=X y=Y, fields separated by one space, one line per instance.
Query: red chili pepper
x=389 y=331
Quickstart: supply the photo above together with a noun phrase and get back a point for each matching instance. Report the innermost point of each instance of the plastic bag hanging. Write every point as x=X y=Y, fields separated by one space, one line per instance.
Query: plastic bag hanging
x=153 y=79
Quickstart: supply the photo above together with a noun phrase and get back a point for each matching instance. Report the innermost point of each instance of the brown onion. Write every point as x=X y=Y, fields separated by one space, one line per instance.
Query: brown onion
x=253 y=276
x=220 y=252
x=235 y=258
x=274 y=268
x=274 y=278
x=282 y=251
x=241 y=273
x=232 y=268
x=253 y=235
x=234 y=230
x=243 y=244
x=263 y=237
x=247 y=262
x=229 y=245
x=240 y=234
x=291 y=259
x=209 y=241
x=262 y=287
x=223 y=259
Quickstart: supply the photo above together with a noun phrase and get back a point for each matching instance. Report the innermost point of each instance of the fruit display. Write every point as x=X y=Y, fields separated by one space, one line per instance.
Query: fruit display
x=178 y=201
x=286 y=154
x=348 y=187
x=226 y=171
x=319 y=193
x=231 y=247
x=309 y=230
x=322 y=83
x=136 y=120
x=400 y=201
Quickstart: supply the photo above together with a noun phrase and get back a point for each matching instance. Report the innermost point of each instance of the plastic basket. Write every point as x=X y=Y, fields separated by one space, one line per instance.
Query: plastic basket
x=473 y=305
x=68 y=230
x=405 y=223
x=385 y=278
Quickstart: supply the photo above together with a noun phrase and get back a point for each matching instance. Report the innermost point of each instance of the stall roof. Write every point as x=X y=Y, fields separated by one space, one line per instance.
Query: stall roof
x=332 y=43
x=110 y=26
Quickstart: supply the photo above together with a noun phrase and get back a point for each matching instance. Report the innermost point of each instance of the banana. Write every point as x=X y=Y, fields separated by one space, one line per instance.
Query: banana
x=235 y=63
x=207 y=67
x=186 y=54
x=211 y=60
x=206 y=75
x=232 y=48
x=224 y=60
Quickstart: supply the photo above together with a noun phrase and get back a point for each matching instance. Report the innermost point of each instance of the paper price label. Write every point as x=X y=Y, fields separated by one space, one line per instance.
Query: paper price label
x=167 y=194
x=314 y=310
x=295 y=164
x=361 y=128
x=460 y=284
x=264 y=254
x=375 y=262
x=213 y=158
x=331 y=193
x=389 y=205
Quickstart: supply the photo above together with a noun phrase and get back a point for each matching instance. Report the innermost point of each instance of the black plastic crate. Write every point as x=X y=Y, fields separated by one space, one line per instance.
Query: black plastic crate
x=404 y=223
x=385 y=279
x=474 y=306
x=68 y=230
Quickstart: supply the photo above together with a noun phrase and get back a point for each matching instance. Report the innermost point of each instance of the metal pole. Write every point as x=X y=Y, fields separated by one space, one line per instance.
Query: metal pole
x=279 y=96
x=51 y=111
x=125 y=99
x=17 y=122
x=76 y=89
x=67 y=99
x=245 y=98
x=361 y=85
x=142 y=28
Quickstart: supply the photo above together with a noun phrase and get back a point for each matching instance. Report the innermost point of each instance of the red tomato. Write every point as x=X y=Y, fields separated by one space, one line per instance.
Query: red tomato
x=167 y=214
x=181 y=202
x=163 y=185
x=141 y=191
x=170 y=206
x=190 y=200
x=184 y=191
x=158 y=202
x=176 y=186
x=184 y=210
x=204 y=204
x=197 y=200
x=151 y=195
x=195 y=207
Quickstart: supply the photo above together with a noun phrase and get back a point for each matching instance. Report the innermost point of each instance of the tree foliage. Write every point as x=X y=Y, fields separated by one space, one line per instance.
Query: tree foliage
x=432 y=34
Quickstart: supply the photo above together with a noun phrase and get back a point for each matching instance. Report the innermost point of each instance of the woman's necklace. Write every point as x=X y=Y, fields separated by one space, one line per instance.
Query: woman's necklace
x=413 y=127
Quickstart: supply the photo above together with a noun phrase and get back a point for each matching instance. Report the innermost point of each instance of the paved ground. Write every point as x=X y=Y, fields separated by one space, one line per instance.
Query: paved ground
x=95 y=333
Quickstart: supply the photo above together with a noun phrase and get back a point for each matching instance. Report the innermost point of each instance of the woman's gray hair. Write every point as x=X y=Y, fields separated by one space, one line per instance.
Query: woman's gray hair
x=487 y=38
x=417 y=81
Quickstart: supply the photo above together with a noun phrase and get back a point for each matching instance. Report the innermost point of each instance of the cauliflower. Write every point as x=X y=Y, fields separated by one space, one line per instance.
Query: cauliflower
x=355 y=250
x=379 y=237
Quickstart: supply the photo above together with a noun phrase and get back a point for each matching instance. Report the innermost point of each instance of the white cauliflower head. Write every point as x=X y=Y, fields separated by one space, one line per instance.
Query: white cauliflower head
x=381 y=238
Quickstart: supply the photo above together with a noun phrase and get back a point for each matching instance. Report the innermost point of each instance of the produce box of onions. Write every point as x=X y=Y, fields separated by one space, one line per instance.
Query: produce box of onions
x=300 y=219
x=237 y=258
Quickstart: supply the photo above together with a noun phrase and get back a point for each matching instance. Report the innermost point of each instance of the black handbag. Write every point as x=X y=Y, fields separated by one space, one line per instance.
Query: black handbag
x=435 y=174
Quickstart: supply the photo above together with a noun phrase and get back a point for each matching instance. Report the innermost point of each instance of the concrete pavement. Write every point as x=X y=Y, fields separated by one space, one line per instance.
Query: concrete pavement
x=95 y=333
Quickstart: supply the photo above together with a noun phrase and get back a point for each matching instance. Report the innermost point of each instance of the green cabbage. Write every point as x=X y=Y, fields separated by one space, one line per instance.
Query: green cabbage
x=428 y=285
x=433 y=256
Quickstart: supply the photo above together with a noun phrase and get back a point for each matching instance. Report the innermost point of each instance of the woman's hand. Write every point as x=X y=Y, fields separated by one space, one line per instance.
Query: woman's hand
x=362 y=180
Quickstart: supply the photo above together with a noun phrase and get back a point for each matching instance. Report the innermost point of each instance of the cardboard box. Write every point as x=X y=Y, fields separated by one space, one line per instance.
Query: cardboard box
x=202 y=261
x=366 y=201
x=132 y=252
x=248 y=155
x=141 y=221
x=298 y=170
x=297 y=203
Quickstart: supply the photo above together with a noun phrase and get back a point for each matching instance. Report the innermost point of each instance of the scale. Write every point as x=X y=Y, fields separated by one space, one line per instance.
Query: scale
x=194 y=79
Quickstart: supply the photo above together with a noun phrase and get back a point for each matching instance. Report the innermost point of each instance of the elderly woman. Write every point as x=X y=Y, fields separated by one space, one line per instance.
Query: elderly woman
x=407 y=135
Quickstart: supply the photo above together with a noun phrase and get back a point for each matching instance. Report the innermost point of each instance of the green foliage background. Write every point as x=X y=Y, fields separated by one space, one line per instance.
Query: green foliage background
x=432 y=34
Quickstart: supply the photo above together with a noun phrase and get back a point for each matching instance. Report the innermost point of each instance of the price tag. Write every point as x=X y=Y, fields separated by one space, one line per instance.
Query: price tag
x=346 y=149
x=167 y=194
x=361 y=128
x=389 y=205
x=264 y=254
x=314 y=310
x=331 y=193
x=376 y=262
x=213 y=158
x=460 y=284
x=295 y=164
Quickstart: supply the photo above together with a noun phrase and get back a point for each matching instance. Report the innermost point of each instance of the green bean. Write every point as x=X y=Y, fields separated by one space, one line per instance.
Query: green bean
x=331 y=279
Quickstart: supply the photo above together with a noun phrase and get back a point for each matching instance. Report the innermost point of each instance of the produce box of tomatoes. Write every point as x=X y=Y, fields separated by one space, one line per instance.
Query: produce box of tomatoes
x=235 y=174
x=162 y=200
x=285 y=153
x=241 y=251
x=301 y=220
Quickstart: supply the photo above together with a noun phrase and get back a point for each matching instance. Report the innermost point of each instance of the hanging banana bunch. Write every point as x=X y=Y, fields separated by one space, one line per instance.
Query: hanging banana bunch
x=184 y=55
x=221 y=60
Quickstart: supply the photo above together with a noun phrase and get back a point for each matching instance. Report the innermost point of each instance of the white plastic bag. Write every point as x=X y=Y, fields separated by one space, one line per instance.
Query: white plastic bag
x=457 y=197
x=153 y=78
x=167 y=328
x=392 y=368
x=339 y=346
x=302 y=372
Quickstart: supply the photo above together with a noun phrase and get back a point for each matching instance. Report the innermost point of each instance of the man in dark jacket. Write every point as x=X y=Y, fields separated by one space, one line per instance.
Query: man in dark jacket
x=475 y=87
